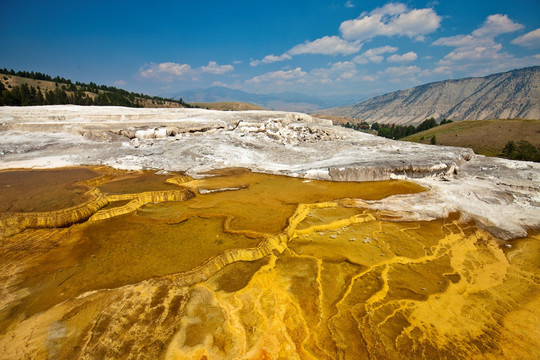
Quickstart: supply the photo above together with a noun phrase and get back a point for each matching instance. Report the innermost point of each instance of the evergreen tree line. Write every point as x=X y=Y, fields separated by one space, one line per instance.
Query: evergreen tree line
x=392 y=131
x=35 y=76
x=72 y=93
x=522 y=150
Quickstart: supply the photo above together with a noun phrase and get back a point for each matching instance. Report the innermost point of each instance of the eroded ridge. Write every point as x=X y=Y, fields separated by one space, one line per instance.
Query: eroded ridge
x=279 y=268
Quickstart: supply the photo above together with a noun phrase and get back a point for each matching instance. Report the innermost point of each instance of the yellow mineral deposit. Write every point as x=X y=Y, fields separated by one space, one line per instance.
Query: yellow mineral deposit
x=99 y=263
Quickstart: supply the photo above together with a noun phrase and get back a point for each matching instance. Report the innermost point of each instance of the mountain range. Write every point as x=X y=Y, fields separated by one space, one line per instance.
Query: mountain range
x=512 y=94
x=287 y=101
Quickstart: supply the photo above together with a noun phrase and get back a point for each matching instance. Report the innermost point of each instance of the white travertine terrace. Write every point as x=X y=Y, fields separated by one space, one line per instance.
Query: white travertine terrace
x=502 y=196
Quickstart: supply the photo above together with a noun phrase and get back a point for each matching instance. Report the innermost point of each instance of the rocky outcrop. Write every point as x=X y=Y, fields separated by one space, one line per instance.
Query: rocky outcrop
x=509 y=95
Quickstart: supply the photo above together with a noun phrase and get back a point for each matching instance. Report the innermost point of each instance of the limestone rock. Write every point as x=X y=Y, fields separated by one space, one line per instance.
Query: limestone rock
x=501 y=195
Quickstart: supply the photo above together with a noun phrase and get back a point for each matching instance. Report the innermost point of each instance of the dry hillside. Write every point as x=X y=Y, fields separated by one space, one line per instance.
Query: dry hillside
x=486 y=137
x=11 y=81
x=227 y=106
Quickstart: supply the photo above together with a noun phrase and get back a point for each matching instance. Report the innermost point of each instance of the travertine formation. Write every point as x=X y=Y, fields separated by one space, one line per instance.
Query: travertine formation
x=262 y=272
x=186 y=262
x=501 y=195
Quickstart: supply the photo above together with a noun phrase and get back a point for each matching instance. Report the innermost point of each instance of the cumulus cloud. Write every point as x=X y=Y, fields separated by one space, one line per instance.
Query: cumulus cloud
x=338 y=71
x=280 y=77
x=370 y=77
x=268 y=59
x=374 y=55
x=496 y=25
x=480 y=45
x=166 y=71
x=400 y=71
x=389 y=20
x=388 y=9
x=476 y=53
x=440 y=70
x=530 y=40
x=328 y=45
x=407 y=57
x=214 y=68
x=219 y=83
x=460 y=41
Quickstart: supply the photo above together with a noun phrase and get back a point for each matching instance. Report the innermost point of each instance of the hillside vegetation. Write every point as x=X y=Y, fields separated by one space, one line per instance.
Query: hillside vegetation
x=33 y=88
x=485 y=137
x=227 y=106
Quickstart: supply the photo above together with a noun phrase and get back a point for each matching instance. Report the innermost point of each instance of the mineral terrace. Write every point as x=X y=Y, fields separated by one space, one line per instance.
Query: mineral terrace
x=189 y=233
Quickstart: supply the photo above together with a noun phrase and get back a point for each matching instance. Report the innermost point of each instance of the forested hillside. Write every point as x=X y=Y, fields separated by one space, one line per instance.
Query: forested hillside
x=24 y=88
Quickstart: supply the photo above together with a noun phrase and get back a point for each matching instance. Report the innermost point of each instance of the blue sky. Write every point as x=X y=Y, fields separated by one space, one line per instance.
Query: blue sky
x=315 y=47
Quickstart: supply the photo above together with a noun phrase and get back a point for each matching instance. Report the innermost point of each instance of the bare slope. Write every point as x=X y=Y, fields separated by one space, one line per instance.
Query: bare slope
x=513 y=94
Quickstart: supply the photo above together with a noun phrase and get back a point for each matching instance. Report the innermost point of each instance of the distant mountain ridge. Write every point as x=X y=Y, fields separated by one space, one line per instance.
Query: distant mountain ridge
x=287 y=101
x=508 y=95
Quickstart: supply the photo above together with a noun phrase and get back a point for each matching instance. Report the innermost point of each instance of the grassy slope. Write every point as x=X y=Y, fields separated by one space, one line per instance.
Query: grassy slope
x=13 y=81
x=228 y=106
x=486 y=137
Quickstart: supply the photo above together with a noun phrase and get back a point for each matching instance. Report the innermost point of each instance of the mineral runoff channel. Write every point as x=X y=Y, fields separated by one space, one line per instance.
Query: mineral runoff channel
x=98 y=263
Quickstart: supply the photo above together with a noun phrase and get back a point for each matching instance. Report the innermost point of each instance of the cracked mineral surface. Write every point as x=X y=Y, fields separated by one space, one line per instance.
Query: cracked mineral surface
x=180 y=238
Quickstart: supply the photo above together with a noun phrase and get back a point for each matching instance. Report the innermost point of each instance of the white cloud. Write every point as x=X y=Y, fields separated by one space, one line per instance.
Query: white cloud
x=280 y=77
x=166 y=71
x=349 y=4
x=495 y=25
x=268 y=59
x=219 y=83
x=445 y=70
x=400 y=71
x=476 y=53
x=389 y=20
x=530 y=40
x=374 y=55
x=214 y=68
x=407 y=57
x=460 y=41
x=480 y=45
x=337 y=72
x=370 y=78
x=440 y=70
x=389 y=9
x=328 y=45
x=120 y=82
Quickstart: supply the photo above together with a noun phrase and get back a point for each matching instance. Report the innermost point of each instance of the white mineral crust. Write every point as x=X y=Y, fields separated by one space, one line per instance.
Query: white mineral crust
x=502 y=196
